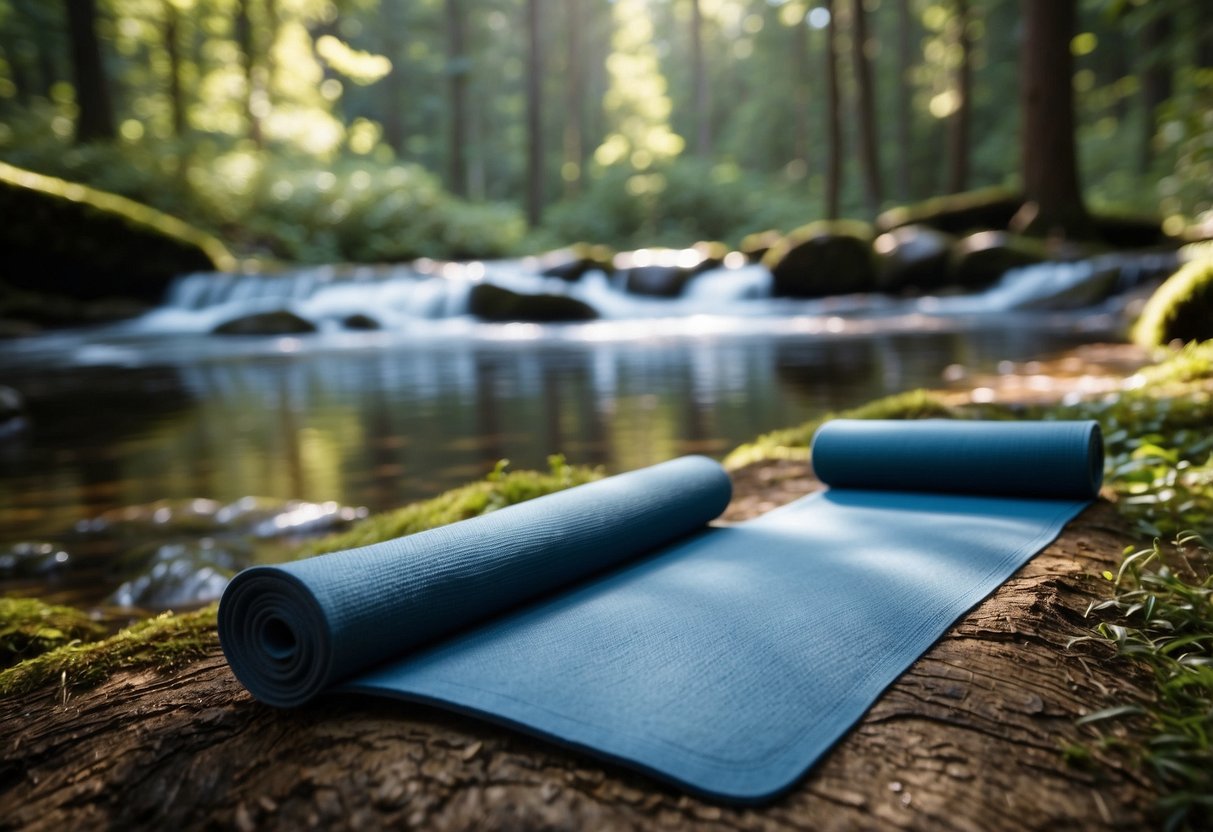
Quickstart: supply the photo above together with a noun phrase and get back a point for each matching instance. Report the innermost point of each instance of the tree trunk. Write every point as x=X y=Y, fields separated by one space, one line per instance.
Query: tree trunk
x=574 y=97
x=801 y=140
x=393 y=87
x=172 y=48
x=865 y=102
x=970 y=737
x=96 y=119
x=534 y=116
x=457 y=90
x=1054 y=203
x=1156 y=80
x=905 y=60
x=702 y=92
x=958 y=128
x=833 y=117
x=248 y=57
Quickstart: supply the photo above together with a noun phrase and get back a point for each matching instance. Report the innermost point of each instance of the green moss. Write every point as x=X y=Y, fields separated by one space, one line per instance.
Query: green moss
x=793 y=443
x=1194 y=362
x=161 y=643
x=66 y=238
x=1182 y=308
x=29 y=627
x=956 y=213
x=498 y=490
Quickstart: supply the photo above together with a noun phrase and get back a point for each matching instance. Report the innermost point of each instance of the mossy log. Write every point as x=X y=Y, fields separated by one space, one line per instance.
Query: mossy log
x=972 y=737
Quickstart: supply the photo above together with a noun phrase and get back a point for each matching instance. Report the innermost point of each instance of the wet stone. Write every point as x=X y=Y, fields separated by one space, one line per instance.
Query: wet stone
x=32 y=559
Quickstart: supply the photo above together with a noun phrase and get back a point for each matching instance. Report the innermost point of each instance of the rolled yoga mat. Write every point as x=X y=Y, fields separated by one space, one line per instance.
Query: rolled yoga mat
x=726 y=660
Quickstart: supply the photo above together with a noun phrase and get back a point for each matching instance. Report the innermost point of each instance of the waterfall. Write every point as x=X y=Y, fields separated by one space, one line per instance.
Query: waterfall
x=406 y=297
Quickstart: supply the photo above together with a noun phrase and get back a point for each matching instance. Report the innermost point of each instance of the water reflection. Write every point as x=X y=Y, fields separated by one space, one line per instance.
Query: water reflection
x=380 y=427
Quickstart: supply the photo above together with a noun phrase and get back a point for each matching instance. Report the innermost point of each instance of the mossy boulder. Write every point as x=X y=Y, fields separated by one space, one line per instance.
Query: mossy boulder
x=823 y=258
x=275 y=322
x=498 y=305
x=64 y=238
x=573 y=262
x=1181 y=308
x=956 y=213
x=755 y=246
x=913 y=257
x=979 y=260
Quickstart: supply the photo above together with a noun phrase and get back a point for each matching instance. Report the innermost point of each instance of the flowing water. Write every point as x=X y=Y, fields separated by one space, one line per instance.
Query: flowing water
x=156 y=409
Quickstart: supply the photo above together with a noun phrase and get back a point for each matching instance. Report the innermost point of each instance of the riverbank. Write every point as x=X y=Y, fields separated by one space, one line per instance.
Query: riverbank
x=995 y=709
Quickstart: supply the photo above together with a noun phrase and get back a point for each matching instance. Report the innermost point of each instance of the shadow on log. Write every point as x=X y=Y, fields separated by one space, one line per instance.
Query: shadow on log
x=970 y=738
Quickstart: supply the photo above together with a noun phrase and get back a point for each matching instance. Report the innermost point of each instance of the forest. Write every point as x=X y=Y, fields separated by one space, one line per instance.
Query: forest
x=372 y=130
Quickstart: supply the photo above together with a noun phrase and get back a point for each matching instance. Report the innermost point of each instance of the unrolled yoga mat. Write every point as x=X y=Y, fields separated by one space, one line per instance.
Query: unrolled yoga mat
x=607 y=617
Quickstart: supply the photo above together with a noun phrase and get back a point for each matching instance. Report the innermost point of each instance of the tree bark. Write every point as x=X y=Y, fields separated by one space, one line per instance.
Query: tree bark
x=96 y=112
x=905 y=94
x=1156 y=80
x=248 y=57
x=958 y=128
x=172 y=48
x=1054 y=204
x=702 y=91
x=574 y=97
x=865 y=102
x=456 y=34
x=535 y=185
x=833 y=116
x=801 y=140
x=970 y=737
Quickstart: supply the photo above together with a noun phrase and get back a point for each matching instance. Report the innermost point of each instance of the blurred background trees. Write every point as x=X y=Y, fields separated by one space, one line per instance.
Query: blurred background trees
x=383 y=129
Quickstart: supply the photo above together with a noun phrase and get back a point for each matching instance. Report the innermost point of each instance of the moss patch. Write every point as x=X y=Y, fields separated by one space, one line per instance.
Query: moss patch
x=29 y=628
x=1182 y=308
x=164 y=642
x=66 y=238
x=498 y=490
x=793 y=443
x=956 y=213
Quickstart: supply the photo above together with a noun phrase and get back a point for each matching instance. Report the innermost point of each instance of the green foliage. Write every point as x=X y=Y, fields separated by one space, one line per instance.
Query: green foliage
x=498 y=490
x=675 y=204
x=1182 y=308
x=161 y=643
x=29 y=628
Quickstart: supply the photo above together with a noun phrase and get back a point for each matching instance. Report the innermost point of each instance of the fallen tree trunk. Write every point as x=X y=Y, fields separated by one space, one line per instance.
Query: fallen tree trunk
x=972 y=737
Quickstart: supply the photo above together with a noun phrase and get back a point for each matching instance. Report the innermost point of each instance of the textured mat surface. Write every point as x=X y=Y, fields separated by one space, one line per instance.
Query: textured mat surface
x=727 y=660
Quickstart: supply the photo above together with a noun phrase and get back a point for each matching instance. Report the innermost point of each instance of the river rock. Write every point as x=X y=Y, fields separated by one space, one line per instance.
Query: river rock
x=499 y=305
x=660 y=272
x=32 y=559
x=978 y=260
x=913 y=257
x=277 y=322
x=12 y=412
x=360 y=321
x=181 y=574
x=572 y=263
x=822 y=259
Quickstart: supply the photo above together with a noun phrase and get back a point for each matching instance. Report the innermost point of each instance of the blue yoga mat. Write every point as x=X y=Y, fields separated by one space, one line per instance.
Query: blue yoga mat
x=610 y=618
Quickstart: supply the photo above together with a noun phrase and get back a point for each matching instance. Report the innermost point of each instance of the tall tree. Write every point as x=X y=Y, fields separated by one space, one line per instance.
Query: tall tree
x=800 y=92
x=246 y=40
x=96 y=113
x=833 y=116
x=702 y=91
x=904 y=96
x=457 y=72
x=958 y=127
x=865 y=100
x=574 y=95
x=534 y=116
x=1049 y=161
x=1156 y=75
x=172 y=48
